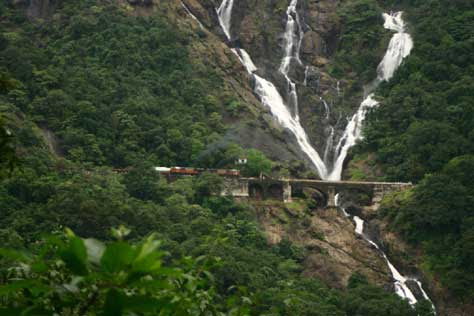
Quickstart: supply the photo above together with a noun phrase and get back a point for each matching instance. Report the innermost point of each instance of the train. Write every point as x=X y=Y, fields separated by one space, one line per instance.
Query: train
x=186 y=171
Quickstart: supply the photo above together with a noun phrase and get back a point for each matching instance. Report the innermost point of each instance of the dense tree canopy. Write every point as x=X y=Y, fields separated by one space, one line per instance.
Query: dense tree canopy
x=423 y=132
x=99 y=89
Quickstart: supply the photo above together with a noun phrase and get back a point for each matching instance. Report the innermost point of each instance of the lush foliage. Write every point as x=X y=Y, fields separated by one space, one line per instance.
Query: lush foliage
x=115 y=89
x=118 y=90
x=421 y=132
x=440 y=213
x=87 y=277
x=425 y=117
x=362 y=41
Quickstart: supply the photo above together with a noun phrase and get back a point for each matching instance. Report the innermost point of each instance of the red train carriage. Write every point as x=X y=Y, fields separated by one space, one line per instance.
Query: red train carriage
x=184 y=171
x=196 y=171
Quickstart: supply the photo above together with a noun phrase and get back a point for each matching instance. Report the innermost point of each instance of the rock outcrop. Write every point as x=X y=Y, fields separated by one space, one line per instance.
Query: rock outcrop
x=333 y=251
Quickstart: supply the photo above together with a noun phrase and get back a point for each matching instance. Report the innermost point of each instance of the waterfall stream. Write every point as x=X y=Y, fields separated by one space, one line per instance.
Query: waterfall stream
x=399 y=47
x=291 y=36
x=224 y=12
x=192 y=15
x=400 y=281
x=267 y=92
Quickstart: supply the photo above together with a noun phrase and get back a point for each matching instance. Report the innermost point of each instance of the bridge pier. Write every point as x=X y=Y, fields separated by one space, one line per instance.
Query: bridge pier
x=286 y=192
x=283 y=189
x=331 y=196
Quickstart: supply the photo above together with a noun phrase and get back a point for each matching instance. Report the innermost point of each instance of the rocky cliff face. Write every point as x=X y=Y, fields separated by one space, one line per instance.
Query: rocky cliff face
x=324 y=102
x=333 y=251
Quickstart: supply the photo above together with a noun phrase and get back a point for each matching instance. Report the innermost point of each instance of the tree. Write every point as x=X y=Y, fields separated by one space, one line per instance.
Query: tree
x=75 y=276
x=8 y=157
x=257 y=163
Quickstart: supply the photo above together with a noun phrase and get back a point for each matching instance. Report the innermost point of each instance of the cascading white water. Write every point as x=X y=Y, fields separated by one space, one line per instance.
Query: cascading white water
x=192 y=15
x=351 y=135
x=292 y=44
x=224 y=12
x=399 y=47
x=269 y=94
x=326 y=107
x=329 y=143
x=400 y=282
x=270 y=97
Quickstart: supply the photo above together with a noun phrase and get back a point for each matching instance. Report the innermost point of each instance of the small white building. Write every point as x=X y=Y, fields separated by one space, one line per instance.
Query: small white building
x=241 y=161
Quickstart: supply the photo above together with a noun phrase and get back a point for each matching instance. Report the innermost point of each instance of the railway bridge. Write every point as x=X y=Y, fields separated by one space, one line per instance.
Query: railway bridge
x=285 y=189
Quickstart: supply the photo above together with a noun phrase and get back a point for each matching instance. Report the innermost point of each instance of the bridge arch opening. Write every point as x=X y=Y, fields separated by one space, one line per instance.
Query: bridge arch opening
x=318 y=196
x=275 y=191
x=256 y=191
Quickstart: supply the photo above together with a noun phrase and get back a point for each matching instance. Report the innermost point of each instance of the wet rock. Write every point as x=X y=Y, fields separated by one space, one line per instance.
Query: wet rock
x=312 y=77
x=319 y=61
x=313 y=43
x=415 y=289
x=321 y=18
x=204 y=12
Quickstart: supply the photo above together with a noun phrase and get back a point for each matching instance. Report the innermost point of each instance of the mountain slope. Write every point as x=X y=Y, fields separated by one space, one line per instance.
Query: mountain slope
x=118 y=84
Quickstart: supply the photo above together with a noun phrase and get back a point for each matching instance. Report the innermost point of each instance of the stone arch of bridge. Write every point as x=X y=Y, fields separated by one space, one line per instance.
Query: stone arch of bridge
x=274 y=191
x=315 y=192
x=256 y=191
x=320 y=197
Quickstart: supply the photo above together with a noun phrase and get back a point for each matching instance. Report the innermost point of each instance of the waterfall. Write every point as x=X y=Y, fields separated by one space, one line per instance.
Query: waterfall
x=224 y=12
x=329 y=143
x=400 y=281
x=270 y=97
x=399 y=47
x=292 y=44
x=326 y=107
x=192 y=15
x=268 y=93
x=351 y=135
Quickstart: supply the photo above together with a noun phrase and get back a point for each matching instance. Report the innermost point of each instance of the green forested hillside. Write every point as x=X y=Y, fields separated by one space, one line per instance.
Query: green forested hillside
x=115 y=89
x=423 y=132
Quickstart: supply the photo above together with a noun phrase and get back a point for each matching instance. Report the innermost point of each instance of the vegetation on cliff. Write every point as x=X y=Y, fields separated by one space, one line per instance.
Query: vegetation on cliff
x=423 y=132
x=99 y=88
